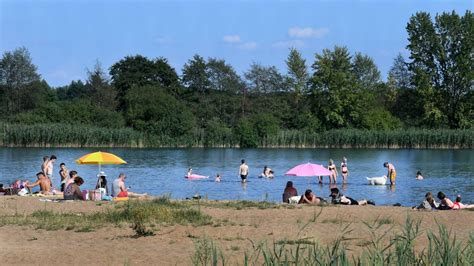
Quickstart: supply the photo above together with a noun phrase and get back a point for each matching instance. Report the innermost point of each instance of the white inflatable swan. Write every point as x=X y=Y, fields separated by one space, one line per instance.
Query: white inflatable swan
x=378 y=180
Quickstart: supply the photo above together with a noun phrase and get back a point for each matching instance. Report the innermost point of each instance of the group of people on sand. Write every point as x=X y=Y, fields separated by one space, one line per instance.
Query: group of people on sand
x=70 y=183
x=290 y=195
x=445 y=203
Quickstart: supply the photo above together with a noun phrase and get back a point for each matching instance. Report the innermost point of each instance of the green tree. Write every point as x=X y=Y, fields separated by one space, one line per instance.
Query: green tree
x=151 y=109
x=365 y=71
x=332 y=79
x=100 y=91
x=442 y=56
x=264 y=80
x=16 y=72
x=139 y=71
x=196 y=76
x=245 y=133
x=298 y=76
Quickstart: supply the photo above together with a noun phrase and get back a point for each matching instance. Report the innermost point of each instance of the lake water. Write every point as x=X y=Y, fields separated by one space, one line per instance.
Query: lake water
x=161 y=171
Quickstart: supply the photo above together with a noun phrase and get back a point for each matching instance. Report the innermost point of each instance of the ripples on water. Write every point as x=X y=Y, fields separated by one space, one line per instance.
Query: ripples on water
x=161 y=171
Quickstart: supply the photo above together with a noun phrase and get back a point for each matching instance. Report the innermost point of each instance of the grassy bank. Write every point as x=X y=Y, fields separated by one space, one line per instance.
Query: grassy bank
x=141 y=215
x=56 y=135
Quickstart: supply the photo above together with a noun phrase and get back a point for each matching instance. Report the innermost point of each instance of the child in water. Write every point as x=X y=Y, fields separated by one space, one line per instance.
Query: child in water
x=218 y=178
x=419 y=176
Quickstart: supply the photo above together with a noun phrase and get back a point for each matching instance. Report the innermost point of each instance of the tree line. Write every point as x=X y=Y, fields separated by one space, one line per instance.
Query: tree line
x=433 y=88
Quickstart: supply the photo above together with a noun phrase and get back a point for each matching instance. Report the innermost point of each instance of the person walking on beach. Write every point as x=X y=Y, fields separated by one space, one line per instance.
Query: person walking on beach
x=243 y=171
x=392 y=174
x=344 y=170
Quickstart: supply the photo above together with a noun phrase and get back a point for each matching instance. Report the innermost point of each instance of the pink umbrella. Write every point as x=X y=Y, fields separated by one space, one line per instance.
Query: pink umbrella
x=309 y=169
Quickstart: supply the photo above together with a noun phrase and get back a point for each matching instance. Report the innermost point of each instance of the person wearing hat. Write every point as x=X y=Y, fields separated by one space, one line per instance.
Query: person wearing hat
x=102 y=182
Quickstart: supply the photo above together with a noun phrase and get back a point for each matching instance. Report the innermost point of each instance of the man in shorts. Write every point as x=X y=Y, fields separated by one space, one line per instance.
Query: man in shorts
x=120 y=191
x=392 y=174
x=243 y=171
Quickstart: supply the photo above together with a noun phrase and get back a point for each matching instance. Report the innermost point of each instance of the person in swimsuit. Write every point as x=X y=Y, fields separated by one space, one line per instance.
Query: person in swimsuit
x=446 y=203
x=49 y=168
x=190 y=172
x=243 y=171
x=338 y=198
x=120 y=191
x=344 y=170
x=267 y=172
x=44 y=184
x=419 y=176
x=63 y=174
x=458 y=205
x=289 y=192
x=392 y=174
x=333 y=169
x=73 y=192
x=309 y=198
x=218 y=178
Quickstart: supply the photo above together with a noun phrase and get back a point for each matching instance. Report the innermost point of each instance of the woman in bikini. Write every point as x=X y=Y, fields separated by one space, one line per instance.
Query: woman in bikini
x=333 y=169
x=344 y=170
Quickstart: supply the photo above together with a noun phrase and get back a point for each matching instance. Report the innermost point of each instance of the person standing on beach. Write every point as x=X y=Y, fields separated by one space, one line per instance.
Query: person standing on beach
x=344 y=170
x=392 y=174
x=63 y=174
x=49 y=168
x=44 y=165
x=243 y=171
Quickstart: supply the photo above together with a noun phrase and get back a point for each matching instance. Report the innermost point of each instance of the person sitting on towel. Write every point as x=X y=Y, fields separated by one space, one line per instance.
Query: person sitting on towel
x=120 y=191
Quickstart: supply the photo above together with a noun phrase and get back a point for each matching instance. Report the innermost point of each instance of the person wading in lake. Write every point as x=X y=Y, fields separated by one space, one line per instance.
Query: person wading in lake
x=333 y=169
x=344 y=170
x=243 y=171
x=392 y=174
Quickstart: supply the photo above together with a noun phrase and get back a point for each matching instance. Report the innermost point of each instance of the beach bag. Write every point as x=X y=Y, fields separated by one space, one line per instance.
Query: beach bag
x=85 y=194
x=95 y=195
x=23 y=192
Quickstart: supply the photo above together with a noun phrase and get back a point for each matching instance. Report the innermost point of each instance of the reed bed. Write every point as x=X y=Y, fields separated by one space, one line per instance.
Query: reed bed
x=58 y=135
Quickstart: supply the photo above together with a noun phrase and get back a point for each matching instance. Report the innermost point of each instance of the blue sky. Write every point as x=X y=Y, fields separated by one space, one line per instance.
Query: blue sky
x=67 y=37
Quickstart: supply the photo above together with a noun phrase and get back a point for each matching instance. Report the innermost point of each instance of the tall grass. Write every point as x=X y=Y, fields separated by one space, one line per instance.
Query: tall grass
x=58 y=135
x=443 y=249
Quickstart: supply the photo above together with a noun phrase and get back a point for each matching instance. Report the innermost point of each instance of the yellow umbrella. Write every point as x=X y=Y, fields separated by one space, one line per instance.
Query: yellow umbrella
x=100 y=158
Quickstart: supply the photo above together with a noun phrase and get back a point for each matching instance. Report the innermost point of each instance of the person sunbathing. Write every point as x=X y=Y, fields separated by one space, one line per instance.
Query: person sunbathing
x=428 y=204
x=446 y=203
x=45 y=185
x=309 y=198
x=73 y=191
x=338 y=198
x=458 y=205
x=120 y=191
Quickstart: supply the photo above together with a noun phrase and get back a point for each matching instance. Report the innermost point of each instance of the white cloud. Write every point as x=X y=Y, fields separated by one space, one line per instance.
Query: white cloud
x=248 y=46
x=231 y=38
x=289 y=44
x=308 y=32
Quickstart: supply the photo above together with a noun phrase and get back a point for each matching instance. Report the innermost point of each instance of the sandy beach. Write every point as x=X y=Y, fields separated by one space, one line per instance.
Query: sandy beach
x=235 y=231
